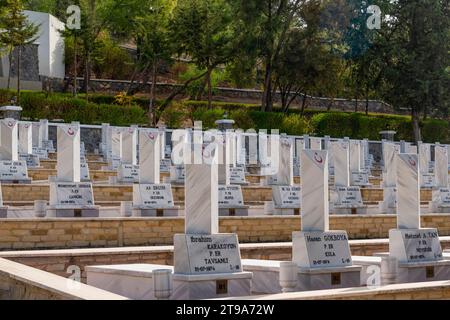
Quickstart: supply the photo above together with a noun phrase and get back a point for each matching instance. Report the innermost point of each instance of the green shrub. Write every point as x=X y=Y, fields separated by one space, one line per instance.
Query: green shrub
x=175 y=115
x=434 y=130
x=208 y=117
x=37 y=105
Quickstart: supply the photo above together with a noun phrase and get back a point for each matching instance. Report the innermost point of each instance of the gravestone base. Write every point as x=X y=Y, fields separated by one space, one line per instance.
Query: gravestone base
x=271 y=209
x=236 y=211
x=207 y=286
x=286 y=211
x=3 y=212
x=153 y=212
x=367 y=209
x=328 y=278
x=91 y=212
x=266 y=277
x=423 y=271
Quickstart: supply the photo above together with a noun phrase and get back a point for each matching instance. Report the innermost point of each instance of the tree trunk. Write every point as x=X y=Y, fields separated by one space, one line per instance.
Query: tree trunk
x=303 y=103
x=75 y=67
x=86 y=74
x=151 y=109
x=367 y=104
x=267 y=101
x=415 y=124
x=19 y=51
x=10 y=69
x=208 y=79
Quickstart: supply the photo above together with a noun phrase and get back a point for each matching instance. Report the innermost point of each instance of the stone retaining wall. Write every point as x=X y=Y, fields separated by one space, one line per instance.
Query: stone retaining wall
x=52 y=233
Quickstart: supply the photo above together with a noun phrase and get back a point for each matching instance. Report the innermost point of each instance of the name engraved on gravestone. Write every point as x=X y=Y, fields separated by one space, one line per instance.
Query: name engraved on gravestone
x=360 y=178
x=179 y=172
x=286 y=196
x=128 y=173
x=74 y=194
x=230 y=196
x=427 y=180
x=13 y=170
x=218 y=253
x=421 y=244
x=115 y=162
x=41 y=153
x=153 y=195
x=32 y=160
x=165 y=165
x=84 y=171
x=48 y=145
x=328 y=249
x=349 y=197
x=444 y=197
x=167 y=151
x=237 y=175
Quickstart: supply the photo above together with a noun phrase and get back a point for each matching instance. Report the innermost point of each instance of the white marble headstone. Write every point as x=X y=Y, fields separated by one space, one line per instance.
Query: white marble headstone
x=314 y=173
x=408 y=192
x=9 y=140
x=201 y=197
x=149 y=162
x=129 y=145
x=25 y=138
x=390 y=152
x=68 y=160
x=354 y=153
x=340 y=152
x=441 y=166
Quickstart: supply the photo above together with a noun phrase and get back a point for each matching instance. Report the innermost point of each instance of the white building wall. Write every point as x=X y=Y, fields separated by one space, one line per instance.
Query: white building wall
x=51 y=44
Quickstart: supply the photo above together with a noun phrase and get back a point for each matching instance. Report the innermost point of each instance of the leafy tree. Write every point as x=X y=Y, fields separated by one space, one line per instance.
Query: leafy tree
x=16 y=31
x=264 y=30
x=420 y=52
x=203 y=30
x=306 y=65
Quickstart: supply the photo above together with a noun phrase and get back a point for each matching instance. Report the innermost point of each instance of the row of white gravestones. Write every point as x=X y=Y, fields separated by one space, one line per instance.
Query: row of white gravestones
x=150 y=197
x=26 y=145
x=426 y=178
x=41 y=145
x=358 y=176
x=231 y=201
x=201 y=250
x=344 y=196
x=285 y=196
x=69 y=197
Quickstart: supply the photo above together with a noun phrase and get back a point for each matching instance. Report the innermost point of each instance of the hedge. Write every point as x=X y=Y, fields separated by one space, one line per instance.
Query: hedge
x=57 y=106
x=102 y=108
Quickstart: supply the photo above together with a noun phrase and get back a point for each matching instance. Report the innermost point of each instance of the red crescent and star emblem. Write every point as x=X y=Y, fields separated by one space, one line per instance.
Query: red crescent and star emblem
x=151 y=136
x=70 y=131
x=412 y=162
x=318 y=158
